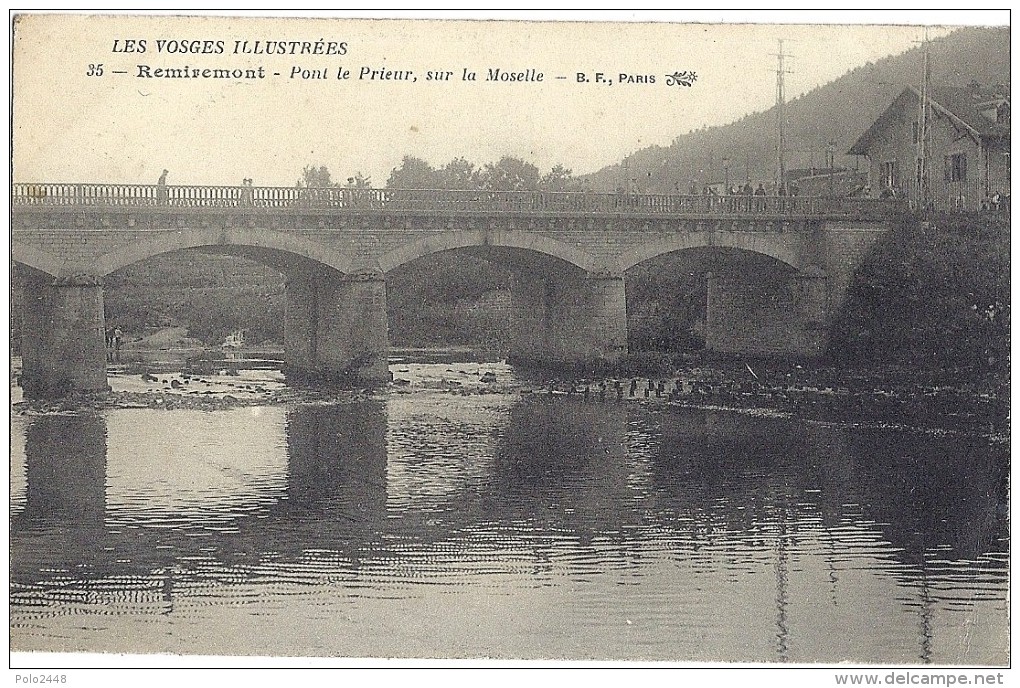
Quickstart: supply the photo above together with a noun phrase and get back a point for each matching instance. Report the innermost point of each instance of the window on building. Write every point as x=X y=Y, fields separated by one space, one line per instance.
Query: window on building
x=890 y=178
x=956 y=167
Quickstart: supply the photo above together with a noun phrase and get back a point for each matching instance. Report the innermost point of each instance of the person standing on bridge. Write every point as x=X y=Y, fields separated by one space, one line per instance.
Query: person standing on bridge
x=247 y=191
x=117 y=336
x=746 y=191
x=161 y=193
x=109 y=344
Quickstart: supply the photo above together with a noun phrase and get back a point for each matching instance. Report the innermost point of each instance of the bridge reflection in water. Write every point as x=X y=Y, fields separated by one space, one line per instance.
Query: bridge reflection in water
x=485 y=526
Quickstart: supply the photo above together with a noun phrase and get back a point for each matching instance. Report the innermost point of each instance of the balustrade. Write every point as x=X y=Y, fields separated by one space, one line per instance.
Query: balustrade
x=441 y=201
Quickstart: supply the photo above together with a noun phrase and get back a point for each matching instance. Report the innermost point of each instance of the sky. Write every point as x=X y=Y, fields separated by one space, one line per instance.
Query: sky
x=70 y=126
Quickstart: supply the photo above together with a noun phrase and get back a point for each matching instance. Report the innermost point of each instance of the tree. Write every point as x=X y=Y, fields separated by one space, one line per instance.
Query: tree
x=935 y=296
x=510 y=174
x=459 y=174
x=313 y=177
x=560 y=178
x=413 y=173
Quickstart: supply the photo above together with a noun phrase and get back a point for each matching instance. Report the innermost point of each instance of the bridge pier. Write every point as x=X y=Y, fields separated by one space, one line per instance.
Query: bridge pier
x=335 y=327
x=63 y=341
x=568 y=320
x=781 y=315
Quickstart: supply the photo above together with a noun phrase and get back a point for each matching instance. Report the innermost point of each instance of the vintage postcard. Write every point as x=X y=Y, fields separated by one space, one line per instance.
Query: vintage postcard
x=618 y=341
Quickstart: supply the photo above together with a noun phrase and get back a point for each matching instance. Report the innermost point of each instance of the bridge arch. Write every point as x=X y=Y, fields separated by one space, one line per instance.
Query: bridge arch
x=467 y=238
x=784 y=249
x=274 y=240
x=36 y=259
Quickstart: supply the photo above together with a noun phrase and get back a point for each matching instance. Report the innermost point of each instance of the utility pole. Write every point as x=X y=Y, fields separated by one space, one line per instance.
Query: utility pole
x=781 y=73
x=830 y=160
x=923 y=181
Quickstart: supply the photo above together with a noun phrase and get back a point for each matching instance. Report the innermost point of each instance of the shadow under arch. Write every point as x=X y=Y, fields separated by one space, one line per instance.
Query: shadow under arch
x=282 y=250
x=772 y=246
x=486 y=237
x=730 y=299
x=39 y=261
x=554 y=307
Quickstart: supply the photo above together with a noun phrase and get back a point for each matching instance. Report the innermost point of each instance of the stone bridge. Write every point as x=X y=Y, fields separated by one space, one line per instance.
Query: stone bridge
x=568 y=253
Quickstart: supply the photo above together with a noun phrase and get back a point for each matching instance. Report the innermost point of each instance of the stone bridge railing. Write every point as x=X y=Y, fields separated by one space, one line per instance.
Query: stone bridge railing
x=433 y=201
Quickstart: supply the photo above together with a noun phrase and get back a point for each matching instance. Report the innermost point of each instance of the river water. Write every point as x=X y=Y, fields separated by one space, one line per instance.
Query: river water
x=433 y=523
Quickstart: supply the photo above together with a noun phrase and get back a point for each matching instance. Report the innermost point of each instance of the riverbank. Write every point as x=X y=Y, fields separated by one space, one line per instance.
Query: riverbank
x=888 y=396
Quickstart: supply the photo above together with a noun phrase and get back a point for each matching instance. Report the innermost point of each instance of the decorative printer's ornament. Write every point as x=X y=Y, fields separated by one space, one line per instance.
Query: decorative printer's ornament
x=681 y=79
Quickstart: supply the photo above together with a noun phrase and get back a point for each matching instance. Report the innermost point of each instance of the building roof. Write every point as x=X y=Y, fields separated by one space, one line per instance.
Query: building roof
x=968 y=104
x=963 y=106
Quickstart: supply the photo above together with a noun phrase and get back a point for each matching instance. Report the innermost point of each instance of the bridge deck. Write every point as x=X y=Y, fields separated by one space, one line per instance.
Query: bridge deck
x=439 y=201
